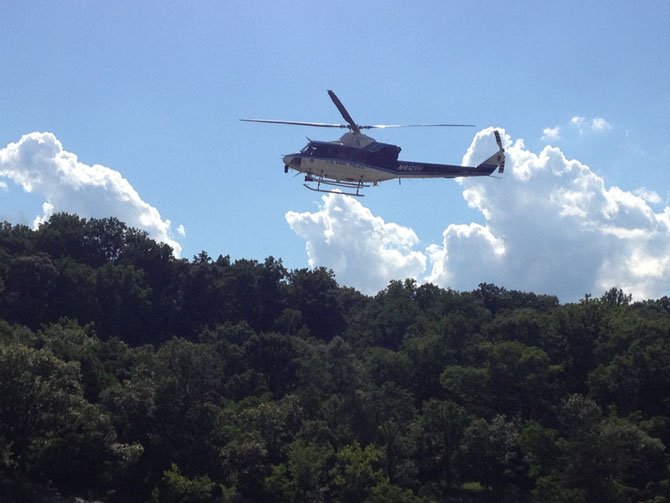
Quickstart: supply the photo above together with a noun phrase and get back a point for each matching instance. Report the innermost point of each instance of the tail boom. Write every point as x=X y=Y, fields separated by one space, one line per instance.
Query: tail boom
x=411 y=169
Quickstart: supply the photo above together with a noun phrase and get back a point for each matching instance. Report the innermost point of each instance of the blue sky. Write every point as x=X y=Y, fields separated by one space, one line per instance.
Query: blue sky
x=141 y=101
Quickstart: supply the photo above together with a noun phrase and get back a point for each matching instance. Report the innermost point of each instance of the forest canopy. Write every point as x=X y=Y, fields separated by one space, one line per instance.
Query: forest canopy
x=127 y=374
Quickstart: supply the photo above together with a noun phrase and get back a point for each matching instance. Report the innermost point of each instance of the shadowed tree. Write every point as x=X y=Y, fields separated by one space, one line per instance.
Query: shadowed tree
x=56 y=435
x=29 y=285
x=440 y=433
x=602 y=460
x=314 y=294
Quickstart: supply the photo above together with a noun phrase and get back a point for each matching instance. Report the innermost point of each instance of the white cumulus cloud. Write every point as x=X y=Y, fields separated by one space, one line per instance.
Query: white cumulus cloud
x=38 y=164
x=550 y=134
x=584 y=125
x=562 y=229
x=362 y=249
x=600 y=124
x=577 y=126
x=551 y=225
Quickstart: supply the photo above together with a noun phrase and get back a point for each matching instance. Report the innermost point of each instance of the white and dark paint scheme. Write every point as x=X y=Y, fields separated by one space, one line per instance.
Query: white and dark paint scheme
x=356 y=161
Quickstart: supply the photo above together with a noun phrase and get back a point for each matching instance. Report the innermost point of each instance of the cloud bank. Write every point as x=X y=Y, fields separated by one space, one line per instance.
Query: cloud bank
x=38 y=164
x=552 y=225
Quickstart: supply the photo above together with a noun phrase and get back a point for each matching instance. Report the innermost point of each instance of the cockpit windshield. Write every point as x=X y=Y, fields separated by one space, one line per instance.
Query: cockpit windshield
x=319 y=149
x=308 y=149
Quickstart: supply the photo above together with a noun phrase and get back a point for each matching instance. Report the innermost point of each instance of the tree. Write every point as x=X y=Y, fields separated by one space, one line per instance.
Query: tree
x=75 y=293
x=470 y=387
x=29 y=284
x=177 y=488
x=440 y=432
x=314 y=294
x=304 y=477
x=245 y=463
x=636 y=378
x=105 y=240
x=522 y=325
x=385 y=492
x=496 y=298
x=578 y=327
x=73 y=343
x=427 y=356
x=384 y=365
x=258 y=290
x=123 y=292
x=132 y=407
x=602 y=460
x=538 y=445
x=492 y=456
x=616 y=297
x=54 y=433
x=204 y=301
x=255 y=438
x=285 y=386
x=394 y=311
x=16 y=239
x=274 y=356
x=386 y=413
x=62 y=236
x=186 y=420
x=277 y=423
x=521 y=378
x=357 y=470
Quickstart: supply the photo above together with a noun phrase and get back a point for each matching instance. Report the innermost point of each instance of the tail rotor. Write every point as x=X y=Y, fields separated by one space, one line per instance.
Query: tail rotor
x=501 y=163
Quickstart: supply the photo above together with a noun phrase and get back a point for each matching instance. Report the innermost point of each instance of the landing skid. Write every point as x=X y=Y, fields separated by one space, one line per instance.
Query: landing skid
x=334 y=183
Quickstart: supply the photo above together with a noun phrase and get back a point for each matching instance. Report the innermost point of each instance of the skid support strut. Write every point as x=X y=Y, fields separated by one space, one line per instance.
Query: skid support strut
x=321 y=180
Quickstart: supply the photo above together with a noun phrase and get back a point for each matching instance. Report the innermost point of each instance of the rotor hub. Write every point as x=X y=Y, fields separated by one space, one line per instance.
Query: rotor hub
x=357 y=140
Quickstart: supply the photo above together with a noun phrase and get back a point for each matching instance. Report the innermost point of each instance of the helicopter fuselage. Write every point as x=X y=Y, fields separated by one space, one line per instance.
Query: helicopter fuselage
x=357 y=161
x=374 y=162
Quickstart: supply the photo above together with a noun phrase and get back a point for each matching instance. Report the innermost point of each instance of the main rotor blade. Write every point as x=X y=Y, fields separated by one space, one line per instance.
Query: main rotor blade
x=345 y=115
x=386 y=126
x=297 y=123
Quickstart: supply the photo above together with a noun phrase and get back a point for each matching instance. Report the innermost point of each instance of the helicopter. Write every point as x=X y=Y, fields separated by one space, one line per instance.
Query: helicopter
x=357 y=161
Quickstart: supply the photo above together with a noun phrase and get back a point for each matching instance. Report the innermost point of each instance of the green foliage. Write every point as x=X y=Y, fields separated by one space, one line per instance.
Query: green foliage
x=440 y=433
x=129 y=375
x=491 y=454
x=469 y=386
x=176 y=488
x=304 y=477
x=357 y=470
x=314 y=293
x=385 y=492
x=602 y=459
x=28 y=284
x=538 y=445
x=49 y=431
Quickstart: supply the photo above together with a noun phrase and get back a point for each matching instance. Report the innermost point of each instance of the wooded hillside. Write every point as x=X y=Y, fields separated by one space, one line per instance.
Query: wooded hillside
x=129 y=375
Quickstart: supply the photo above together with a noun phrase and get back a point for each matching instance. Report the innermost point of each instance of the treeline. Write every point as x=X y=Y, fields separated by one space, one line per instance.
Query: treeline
x=129 y=375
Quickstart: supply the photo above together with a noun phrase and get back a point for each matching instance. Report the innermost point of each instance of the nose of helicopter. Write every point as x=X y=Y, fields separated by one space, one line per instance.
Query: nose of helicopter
x=292 y=161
